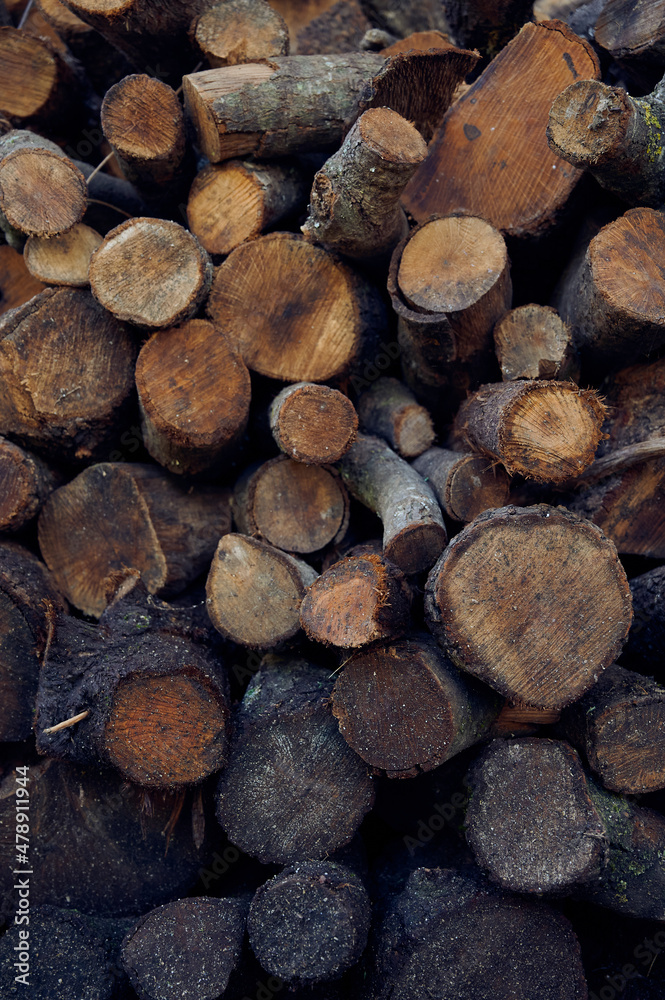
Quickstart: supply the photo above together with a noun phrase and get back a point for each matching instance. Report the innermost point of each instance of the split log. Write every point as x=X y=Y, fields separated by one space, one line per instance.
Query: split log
x=619 y=726
x=449 y=283
x=633 y=882
x=465 y=485
x=413 y=530
x=354 y=205
x=614 y=301
x=25 y=484
x=309 y=923
x=237 y=201
x=150 y=34
x=187 y=424
x=240 y=31
x=339 y=28
x=186 y=948
x=64 y=259
x=143 y=121
x=254 y=591
x=298 y=508
x=42 y=193
x=312 y=423
x=616 y=137
x=545 y=431
x=157 y=701
x=449 y=933
x=633 y=32
x=59 y=947
x=485 y=155
x=357 y=601
x=306 y=103
x=646 y=638
x=544 y=645
x=533 y=342
x=389 y=410
x=98 y=842
x=28 y=595
x=292 y=789
x=66 y=371
x=404 y=708
x=292 y=310
x=17 y=285
x=38 y=84
x=171 y=273
x=531 y=820
x=115 y=516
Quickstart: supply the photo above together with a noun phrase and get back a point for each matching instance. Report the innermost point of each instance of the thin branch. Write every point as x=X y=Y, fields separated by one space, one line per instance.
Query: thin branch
x=68 y=722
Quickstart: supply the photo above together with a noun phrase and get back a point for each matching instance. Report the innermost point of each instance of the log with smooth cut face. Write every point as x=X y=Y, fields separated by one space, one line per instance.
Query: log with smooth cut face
x=533 y=601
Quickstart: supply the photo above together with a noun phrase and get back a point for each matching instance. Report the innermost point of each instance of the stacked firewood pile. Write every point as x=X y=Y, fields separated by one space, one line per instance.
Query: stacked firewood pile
x=332 y=493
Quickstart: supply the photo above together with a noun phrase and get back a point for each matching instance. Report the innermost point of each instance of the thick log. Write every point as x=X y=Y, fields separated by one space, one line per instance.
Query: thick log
x=17 y=285
x=187 y=424
x=354 y=205
x=356 y=601
x=614 y=300
x=25 y=484
x=97 y=842
x=157 y=701
x=646 y=638
x=485 y=155
x=28 y=595
x=404 y=708
x=543 y=643
x=143 y=121
x=47 y=403
x=254 y=591
x=152 y=35
x=309 y=923
x=464 y=484
x=42 y=193
x=619 y=726
x=448 y=933
x=296 y=507
x=292 y=789
x=240 y=31
x=389 y=410
x=235 y=201
x=186 y=948
x=633 y=32
x=531 y=820
x=447 y=304
x=171 y=273
x=38 y=83
x=413 y=530
x=119 y=515
x=293 y=310
x=306 y=103
x=313 y=423
x=545 y=431
x=63 y=259
x=533 y=342
x=616 y=137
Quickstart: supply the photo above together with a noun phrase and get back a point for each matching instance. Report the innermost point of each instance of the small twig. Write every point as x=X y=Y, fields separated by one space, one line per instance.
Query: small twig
x=622 y=459
x=106 y=204
x=25 y=14
x=68 y=722
x=100 y=165
x=195 y=70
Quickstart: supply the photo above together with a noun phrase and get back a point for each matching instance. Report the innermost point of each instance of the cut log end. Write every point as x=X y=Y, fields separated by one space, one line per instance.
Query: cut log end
x=449 y=264
x=391 y=137
x=240 y=32
x=25 y=96
x=225 y=207
x=166 y=731
x=41 y=193
x=64 y=259
x=172 y=272
x=313 y=424
x=142 y=119
x=588 y=121
x=416 y=546
x=544 y=645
